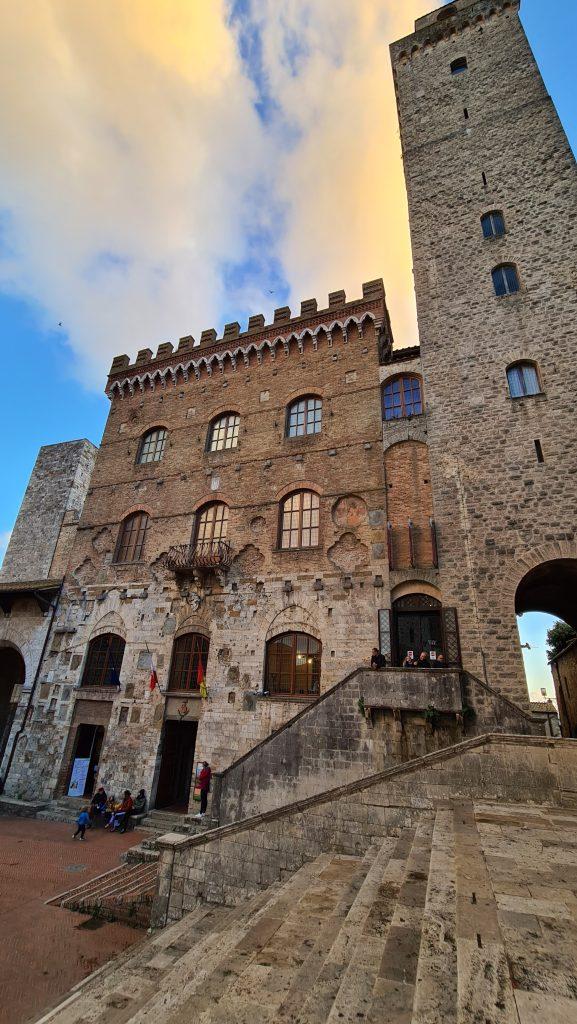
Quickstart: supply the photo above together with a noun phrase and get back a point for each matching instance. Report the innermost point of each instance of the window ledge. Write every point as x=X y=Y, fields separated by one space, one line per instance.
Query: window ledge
x=195 y=694
x=521 y=398
x=406 y=416
x=287 y=698
x=124 y=565
x=297 y=551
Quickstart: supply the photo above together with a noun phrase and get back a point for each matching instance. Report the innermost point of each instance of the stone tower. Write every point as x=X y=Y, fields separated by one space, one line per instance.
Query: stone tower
x=493 y=213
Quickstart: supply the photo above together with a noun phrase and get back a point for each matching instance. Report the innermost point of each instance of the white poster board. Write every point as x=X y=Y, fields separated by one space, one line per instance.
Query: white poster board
x=78 y=777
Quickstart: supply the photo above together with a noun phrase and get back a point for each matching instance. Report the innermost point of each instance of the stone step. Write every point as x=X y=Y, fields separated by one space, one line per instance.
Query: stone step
x=148 y=984
x=125 y=894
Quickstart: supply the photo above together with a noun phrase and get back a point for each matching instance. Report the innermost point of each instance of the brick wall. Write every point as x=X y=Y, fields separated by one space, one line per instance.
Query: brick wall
x=409 y=497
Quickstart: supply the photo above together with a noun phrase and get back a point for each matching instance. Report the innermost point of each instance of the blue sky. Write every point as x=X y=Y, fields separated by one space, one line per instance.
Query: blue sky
x=49 y=396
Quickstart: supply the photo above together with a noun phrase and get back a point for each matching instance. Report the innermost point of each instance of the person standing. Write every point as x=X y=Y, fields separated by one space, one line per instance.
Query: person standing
x=82 y=821
x=204 y=786
x=378 y=660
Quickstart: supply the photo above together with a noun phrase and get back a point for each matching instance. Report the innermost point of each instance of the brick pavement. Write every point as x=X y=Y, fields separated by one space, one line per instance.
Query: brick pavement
x=45 y=950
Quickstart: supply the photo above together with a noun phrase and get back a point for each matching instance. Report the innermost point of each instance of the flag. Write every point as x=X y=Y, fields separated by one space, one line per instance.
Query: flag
x=201 y=680
x=153 y=677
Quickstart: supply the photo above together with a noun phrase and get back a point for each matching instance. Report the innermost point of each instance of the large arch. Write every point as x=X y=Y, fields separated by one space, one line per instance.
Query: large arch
x=550 y=587
x=12 y=675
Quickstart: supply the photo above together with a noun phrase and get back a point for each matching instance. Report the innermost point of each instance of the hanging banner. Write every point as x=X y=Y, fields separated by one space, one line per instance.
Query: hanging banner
x=78 y=777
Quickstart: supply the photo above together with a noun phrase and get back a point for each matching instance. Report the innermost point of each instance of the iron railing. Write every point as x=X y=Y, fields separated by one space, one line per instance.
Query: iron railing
x=205 y=557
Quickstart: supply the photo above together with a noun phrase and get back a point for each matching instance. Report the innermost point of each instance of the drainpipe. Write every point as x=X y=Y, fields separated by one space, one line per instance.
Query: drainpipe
x=53 y=607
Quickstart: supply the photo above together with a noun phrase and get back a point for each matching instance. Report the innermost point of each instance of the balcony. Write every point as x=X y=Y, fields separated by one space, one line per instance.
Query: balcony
x=199 y=560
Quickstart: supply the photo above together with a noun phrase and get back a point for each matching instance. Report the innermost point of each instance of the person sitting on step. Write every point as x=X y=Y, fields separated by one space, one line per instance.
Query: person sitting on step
x=138 y=810
x=121 y=811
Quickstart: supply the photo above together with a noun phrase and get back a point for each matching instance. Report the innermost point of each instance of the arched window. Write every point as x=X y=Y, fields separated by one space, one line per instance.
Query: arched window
x=212 y=523
x=458 y=65
x=293 y=665
x=304 y=416
x=131 y=538
x=152 y=446
x=505 y=279
x=493 y=224
x=223 y=432
x=299 y=526
x=103 y=661
x=523 y=379
x=402 y=396
x=188 y=665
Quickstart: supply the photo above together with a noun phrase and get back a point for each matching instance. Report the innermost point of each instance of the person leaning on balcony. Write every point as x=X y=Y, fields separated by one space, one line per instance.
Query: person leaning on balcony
x=408 y=661
x=378 y=660
x=424 y=660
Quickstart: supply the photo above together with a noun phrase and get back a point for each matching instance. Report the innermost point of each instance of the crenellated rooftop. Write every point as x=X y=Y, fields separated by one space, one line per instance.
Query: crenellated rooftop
x=234 y=345
x=446 y=22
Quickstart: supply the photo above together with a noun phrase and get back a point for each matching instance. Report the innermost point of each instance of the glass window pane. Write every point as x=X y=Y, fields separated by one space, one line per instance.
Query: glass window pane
x=515 y=382
x=511 y=279
x=530 y=379
x=499 y=282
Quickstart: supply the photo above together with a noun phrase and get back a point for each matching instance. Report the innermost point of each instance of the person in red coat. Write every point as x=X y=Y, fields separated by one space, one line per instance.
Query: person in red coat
x=204 y=786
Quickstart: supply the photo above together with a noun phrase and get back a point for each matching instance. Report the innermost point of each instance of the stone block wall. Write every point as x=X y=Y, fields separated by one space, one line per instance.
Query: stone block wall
x=489 y=139
x=226 y=865
x=368 y=722
x=44 y=530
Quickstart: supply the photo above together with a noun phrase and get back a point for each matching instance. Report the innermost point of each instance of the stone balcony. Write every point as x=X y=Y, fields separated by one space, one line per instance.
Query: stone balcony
x=405 y=689
x=199 y=559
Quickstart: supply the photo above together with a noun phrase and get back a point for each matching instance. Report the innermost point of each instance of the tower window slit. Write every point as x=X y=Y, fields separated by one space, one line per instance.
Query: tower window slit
x=539 y=451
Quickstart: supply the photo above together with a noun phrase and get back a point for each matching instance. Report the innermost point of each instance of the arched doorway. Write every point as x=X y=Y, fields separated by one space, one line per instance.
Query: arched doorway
x=12 y=676
x=551 y=588
x=419 y=622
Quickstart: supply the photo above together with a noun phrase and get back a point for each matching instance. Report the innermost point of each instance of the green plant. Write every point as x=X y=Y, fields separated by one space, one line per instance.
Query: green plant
x=361 y=706
x=468 y=713
x=432 y=716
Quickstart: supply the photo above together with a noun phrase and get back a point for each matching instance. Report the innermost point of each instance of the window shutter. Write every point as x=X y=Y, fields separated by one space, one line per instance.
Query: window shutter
x=451 y=637
x=385 y=634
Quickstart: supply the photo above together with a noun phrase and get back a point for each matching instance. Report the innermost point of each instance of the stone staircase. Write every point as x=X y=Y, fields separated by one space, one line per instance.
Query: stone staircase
x=125 y=893
x=456 y=919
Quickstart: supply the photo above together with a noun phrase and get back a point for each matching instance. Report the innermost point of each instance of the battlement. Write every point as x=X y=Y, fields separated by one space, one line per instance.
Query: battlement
x=447 y=21
x=234 y=343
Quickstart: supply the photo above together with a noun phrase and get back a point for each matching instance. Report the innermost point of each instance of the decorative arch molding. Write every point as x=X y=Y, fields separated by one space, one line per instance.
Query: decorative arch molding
x=195 y=623
x=130 y=512
x=293 y=619
x=112 y=622
x=298 y=485
x=230 y=359
x=211 y=498
x=415 y=587
x=222 y=410
x=303 y=392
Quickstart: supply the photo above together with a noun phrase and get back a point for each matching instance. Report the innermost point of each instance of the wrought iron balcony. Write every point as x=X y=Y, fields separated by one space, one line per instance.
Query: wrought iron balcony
x=199 y=559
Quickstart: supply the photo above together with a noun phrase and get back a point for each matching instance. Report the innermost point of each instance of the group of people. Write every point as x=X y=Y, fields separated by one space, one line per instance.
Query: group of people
x=116 y=813
x=424 y=660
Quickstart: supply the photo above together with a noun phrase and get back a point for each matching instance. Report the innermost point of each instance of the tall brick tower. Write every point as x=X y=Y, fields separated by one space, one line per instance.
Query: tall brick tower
x=493 y=213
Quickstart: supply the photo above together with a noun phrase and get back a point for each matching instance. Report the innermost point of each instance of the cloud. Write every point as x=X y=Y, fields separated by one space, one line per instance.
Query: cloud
x=168 y=165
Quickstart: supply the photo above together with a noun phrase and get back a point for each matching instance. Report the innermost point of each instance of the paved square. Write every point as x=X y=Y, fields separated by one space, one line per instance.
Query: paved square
x=46 y=950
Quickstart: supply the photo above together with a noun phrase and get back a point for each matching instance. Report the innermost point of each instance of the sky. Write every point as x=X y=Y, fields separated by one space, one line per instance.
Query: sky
x=168 y=167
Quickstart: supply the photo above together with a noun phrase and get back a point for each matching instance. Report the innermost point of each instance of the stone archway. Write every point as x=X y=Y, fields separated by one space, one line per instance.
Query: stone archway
x=550 y=587
x=12 y=676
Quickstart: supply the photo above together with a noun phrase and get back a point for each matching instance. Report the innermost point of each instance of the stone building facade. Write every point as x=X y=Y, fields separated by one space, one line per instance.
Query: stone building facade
x=564 y=672
x=492 y=197
x=242 y=424
x=268 y=506
x=31 y=577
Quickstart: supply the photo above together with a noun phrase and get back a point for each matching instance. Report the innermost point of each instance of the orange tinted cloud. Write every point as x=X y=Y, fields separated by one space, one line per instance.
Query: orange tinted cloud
x=135 y=168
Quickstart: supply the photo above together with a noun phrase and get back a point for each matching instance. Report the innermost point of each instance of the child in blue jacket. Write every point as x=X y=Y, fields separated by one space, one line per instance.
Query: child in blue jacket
x=82 y=821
